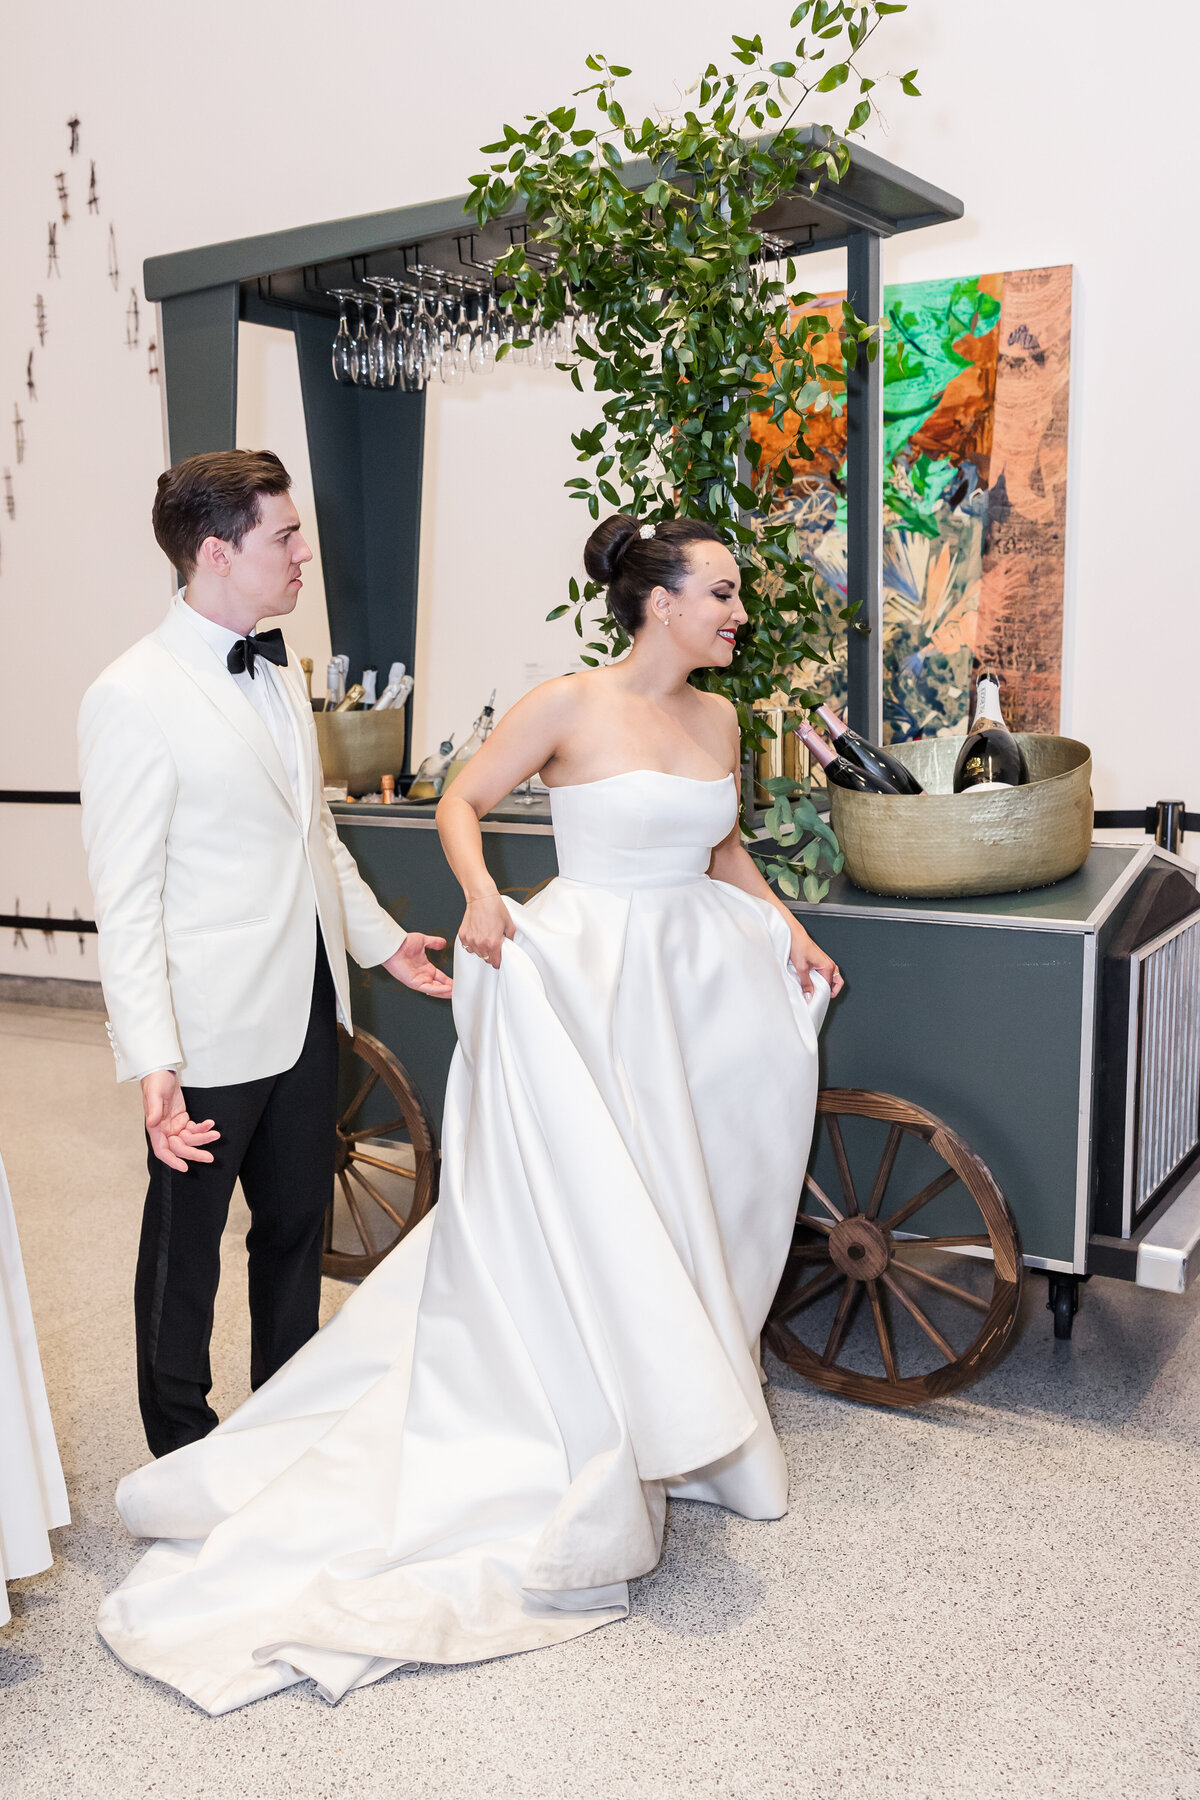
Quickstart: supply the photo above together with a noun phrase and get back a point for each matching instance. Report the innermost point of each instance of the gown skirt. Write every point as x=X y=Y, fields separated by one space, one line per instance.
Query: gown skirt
x=33 y=1497
x=473 y=1457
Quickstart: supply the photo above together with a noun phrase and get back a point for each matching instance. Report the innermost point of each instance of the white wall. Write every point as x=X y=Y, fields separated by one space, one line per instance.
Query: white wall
x=216 y=122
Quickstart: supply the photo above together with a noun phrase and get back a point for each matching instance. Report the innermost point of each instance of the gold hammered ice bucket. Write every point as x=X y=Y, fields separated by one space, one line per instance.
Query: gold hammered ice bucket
x=942 y=845
x=360 y=748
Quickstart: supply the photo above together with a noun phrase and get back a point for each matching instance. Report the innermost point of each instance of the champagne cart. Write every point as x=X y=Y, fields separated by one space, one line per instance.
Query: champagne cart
x=1009 y=1083
x=1059 y=1032
x=1040 y=1047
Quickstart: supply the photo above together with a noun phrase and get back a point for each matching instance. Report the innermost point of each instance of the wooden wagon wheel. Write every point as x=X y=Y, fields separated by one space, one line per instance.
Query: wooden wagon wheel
x=386 y=1173
x=864 y=1249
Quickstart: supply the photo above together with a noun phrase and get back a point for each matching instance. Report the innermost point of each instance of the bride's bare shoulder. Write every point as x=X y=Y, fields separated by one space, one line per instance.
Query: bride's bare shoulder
x=717 y=705
x=565 y=694
x=550 y=699
x=722 y=720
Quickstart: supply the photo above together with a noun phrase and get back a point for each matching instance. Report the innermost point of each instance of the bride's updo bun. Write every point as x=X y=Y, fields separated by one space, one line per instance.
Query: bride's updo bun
x=631 y=566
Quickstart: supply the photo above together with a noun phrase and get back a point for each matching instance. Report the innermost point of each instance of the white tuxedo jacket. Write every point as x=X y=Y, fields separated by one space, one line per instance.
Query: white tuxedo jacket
x=208 y=879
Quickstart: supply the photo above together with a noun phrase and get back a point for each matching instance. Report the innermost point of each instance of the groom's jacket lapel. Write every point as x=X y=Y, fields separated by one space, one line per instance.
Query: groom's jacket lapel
x=196 y=659
x=295 y=688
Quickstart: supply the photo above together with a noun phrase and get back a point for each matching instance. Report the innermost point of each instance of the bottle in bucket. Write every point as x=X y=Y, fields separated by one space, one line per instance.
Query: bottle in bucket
x=868 y=757
x=991 y=757
x=838 y=771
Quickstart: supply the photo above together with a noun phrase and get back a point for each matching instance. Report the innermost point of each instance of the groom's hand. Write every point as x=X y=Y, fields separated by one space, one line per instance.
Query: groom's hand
x=175 y=1138
x=411 y=965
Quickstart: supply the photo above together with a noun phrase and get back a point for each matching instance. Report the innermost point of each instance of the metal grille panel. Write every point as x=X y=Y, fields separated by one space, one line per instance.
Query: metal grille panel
x=1168 y=1109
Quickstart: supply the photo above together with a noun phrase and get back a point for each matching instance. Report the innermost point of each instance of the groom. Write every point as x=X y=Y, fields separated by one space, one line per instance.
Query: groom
x=226 y=903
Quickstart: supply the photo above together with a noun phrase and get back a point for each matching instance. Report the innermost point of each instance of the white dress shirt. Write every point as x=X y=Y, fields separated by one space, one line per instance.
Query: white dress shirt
x=262 y=689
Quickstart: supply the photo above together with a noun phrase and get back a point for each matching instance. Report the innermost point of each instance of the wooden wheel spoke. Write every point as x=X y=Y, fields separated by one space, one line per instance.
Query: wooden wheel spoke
x=352 y=1206
x=380 y=1162
x=377 y=1197
x=812 y=1224
x=883 y=1332
x=372 y=1131
x=942 y=1287
x=883 y=1173
x=833 y=1126
x=841 y=1321
x=808 y=1290
x=927 y=1326
x=946 y=1179
x=823 y=1197
x=807 y=1253
x=980 y=1238
x=358 y=1099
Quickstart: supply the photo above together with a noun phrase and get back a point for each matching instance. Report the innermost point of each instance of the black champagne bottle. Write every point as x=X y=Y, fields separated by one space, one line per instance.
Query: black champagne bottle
x=991 y=757
x=838 y=771
x=868 y=757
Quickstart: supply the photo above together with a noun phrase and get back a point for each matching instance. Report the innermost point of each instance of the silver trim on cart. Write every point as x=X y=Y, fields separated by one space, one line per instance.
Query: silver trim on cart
x=1021 y=922
x=1121 y=886
x=1083 y=1142
x=498 y=827
x=1165 y=1258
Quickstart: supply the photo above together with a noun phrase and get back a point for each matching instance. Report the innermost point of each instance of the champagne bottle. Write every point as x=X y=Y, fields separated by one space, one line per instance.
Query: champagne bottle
x=306 y=663
x=838 y=771
x=394 y=695
x=868 y=757
x=476 y=741
x=353 y=696
x=991 y=757
x=368 y=684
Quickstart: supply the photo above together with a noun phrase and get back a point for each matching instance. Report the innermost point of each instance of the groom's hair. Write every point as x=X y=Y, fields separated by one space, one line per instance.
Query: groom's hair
x=214 y=495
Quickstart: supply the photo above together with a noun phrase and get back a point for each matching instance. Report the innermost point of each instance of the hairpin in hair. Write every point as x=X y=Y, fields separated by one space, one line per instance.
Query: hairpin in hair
x=646 y=531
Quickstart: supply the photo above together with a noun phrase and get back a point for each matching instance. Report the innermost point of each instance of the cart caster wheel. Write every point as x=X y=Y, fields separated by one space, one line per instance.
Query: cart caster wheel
x=387 y=1164
x=1063 y=1302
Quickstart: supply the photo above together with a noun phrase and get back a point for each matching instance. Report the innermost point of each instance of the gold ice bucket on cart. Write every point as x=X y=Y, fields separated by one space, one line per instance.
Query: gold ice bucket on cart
x=942 y=845
x=360 y=748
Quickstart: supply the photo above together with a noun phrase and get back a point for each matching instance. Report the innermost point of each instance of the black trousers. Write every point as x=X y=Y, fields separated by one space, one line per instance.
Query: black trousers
x=279 y=1136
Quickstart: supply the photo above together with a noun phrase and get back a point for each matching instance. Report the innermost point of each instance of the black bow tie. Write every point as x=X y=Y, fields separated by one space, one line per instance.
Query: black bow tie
x=244 y=654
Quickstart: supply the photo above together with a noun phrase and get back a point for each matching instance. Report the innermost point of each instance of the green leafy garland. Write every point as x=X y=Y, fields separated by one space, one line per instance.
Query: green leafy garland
x=691 y=333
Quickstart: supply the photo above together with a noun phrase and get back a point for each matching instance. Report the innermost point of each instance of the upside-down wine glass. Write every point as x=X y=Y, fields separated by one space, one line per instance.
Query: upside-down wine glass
x=343 y=343
x=381 y=350
x=361 y=361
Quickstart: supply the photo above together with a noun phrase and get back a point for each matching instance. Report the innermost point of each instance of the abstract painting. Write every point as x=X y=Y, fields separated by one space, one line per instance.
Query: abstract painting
x=976 y=385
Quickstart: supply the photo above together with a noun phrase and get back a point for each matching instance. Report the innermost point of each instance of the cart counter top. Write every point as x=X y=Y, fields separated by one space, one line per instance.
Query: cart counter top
x=1080 y=903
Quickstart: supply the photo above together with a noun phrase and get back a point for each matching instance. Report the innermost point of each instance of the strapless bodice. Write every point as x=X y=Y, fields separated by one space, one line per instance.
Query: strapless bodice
x=642 y=829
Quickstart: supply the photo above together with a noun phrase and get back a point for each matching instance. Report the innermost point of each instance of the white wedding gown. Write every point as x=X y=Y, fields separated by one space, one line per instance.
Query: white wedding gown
x=473 y=1457
x=33 y=1496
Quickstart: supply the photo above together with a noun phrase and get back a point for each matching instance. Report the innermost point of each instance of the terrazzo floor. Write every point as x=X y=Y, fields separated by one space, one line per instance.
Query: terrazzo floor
x=994 y=1596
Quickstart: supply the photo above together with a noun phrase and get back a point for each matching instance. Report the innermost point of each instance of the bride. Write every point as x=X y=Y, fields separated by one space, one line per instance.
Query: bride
x=474 y=1456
